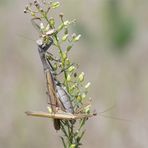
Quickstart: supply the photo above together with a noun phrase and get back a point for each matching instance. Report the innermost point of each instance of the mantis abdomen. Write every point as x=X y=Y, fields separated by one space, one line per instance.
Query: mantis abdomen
x=65 y=99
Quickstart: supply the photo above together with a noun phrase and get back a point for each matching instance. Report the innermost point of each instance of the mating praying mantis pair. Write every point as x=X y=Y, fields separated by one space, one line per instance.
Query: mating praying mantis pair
x=59 y=99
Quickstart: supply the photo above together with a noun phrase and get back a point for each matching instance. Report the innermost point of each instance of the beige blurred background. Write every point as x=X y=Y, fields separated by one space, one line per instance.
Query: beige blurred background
x=113 y=52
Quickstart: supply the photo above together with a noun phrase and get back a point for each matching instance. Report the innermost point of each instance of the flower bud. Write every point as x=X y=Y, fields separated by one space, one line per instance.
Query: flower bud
x=68 y=77
x=61 y=15
x=49 y=109
x=64 y=38
x=81 y=77
x=55 y=5
x=87 y=85
x=71 y=68
x=52 y=22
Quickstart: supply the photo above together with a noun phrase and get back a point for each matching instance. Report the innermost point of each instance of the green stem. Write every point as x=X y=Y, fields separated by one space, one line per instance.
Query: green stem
x=63 y=62
x=70 y=135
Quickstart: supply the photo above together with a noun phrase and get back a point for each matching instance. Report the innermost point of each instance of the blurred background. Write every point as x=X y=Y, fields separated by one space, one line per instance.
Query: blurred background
x=113 y=53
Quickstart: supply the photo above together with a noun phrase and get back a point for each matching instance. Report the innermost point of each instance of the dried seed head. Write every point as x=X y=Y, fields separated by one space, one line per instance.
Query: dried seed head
x=26 y=7
x=75 y=74
x=25 y=11
x=30 y=4
x=61 y=15
x=73 y=35
x=36 y=3
x=41 y=10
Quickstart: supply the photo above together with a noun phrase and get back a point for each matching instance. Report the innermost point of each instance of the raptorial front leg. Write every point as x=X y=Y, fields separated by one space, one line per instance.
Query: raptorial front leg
x=36 y=25
x=62 y=115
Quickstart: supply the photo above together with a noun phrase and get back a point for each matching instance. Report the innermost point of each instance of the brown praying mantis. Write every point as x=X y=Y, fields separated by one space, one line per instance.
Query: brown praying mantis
x=59 y=98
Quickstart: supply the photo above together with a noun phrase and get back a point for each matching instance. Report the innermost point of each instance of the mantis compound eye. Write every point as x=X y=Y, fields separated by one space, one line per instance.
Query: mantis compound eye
x=39 y=42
